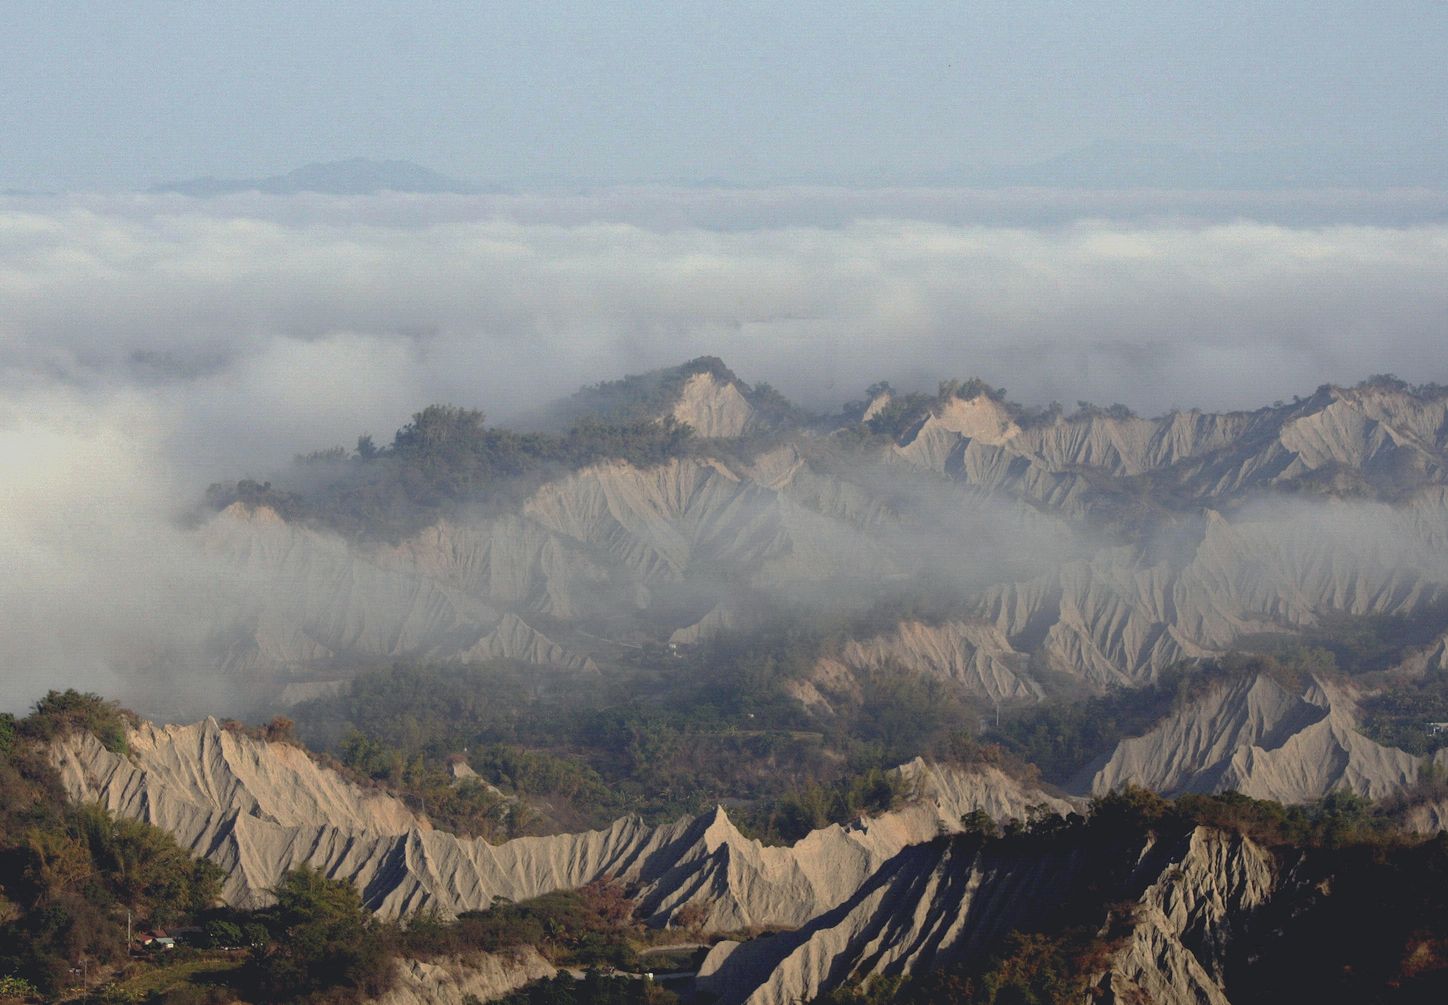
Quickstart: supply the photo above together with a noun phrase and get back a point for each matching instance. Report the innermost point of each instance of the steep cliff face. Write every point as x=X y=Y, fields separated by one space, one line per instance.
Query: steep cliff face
x=951 y=900
x=258 y=809
x=976 y=655
x=714 y=408
x=1263 y=740
x=1185 y=920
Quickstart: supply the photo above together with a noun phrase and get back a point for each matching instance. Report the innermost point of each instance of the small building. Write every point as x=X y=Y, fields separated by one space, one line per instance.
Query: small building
x=1437 y=728
x=155 y=939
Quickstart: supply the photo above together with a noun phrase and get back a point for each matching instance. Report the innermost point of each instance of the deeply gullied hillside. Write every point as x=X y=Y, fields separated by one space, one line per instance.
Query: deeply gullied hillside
x=1262 y=738
x=975 y=880
x=258 y=809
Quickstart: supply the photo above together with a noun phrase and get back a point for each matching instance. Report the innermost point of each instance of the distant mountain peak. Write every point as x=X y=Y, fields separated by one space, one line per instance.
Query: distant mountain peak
x=354 y=176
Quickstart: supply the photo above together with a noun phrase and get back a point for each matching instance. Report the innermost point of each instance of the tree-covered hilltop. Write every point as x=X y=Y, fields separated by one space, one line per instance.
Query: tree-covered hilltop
x=641 y=397
x=446 y=459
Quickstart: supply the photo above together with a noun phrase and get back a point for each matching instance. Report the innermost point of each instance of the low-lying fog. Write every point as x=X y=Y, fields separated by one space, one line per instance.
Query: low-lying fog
x=150 y=345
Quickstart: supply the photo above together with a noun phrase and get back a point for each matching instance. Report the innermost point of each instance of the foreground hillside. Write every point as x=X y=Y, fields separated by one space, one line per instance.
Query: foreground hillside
x=973 y=884
x=258 y=809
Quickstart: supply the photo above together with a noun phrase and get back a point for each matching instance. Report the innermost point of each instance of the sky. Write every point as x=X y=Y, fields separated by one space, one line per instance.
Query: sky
x=114 y=96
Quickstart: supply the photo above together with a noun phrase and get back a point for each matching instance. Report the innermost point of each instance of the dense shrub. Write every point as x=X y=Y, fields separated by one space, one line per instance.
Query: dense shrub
x=62 y=711
x=322 y=939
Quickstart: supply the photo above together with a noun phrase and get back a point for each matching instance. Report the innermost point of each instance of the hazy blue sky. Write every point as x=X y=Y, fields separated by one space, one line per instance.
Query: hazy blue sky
x=128 y=94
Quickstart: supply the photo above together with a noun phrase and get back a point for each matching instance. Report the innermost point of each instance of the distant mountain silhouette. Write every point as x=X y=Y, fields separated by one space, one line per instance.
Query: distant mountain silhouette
x=357 y=176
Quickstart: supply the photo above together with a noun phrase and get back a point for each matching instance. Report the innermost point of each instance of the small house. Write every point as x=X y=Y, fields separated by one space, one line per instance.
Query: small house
x=156 y=939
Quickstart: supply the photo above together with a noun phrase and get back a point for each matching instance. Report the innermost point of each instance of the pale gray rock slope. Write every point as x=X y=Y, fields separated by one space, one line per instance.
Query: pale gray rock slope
x=1254 y=736
x=952 y=899
x=714 y=408
x=606 y=540
x=1121 y=616
x=1425 y=817
x=454 y=980
x=1372 y=431
x=1129 y=611
x=975 y=654
x=720 y=618
x=1185 y=917
x=258 y=809
x=302 y=597
x=514 y=639
x=1427 y=811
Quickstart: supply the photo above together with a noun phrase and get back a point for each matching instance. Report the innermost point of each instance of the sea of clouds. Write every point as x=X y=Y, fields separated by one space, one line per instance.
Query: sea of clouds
x=152 y=344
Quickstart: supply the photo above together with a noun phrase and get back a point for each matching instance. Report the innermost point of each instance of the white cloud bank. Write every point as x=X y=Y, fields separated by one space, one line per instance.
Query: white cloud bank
x=148 y=346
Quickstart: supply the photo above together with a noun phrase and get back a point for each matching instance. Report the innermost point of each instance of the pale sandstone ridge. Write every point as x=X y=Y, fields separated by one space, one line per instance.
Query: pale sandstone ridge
x=950 y=900
x=1256 y=737
x=1368 y=431
x=976 y=655
x=935 y=438
x=719 y=619
x=258 y=809
x=1128 y=612
x=278 y=783
x=1429 y=813
x=453 y=980
x=602 y=540
x=714 y=408
x=1185 y=918
x=876 y=405
x=514 y=639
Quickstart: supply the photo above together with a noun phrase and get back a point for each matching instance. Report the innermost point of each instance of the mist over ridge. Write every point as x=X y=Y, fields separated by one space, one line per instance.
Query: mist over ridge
x=157 y=344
